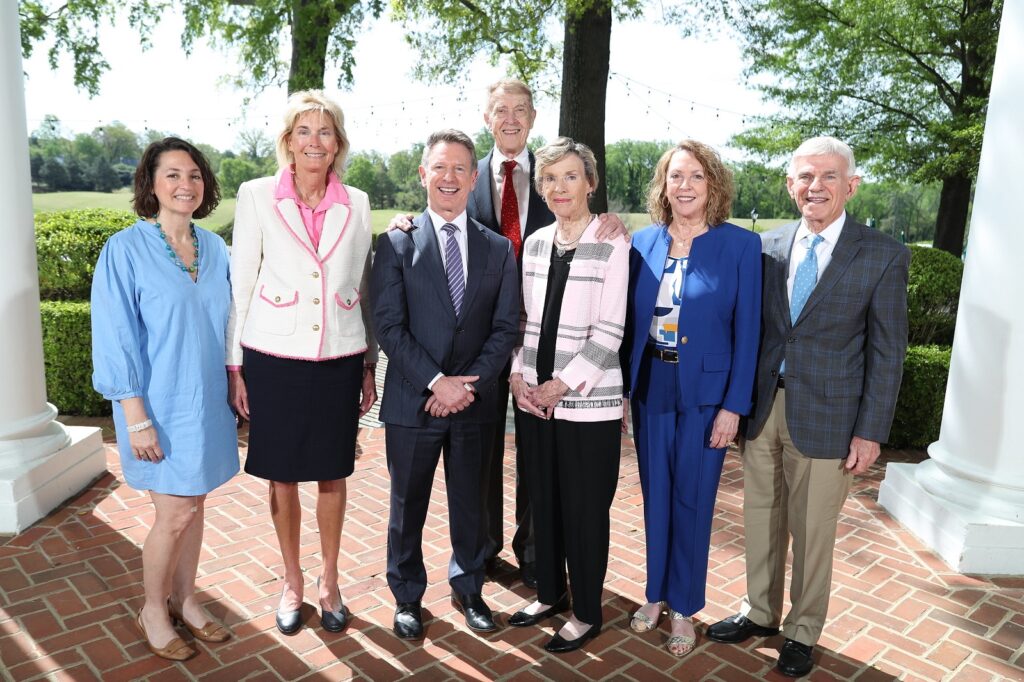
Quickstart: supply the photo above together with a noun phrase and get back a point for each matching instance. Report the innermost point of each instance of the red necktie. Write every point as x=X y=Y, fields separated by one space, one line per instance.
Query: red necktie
x=510 y=209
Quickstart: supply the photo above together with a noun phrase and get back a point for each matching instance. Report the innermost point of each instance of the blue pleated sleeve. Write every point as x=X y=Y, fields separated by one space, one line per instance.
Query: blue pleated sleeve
x=118 y=369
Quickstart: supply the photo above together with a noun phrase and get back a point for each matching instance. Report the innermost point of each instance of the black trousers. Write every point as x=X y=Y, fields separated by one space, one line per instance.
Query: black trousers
x=412 y=455
x=573 y=470
x=494 y=488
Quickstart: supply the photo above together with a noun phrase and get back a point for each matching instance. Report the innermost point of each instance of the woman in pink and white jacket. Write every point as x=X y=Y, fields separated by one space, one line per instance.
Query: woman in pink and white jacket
x=300 y=349
x=568 y=387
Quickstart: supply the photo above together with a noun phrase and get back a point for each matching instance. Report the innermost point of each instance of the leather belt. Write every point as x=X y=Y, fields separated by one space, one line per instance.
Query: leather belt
x=663 y=354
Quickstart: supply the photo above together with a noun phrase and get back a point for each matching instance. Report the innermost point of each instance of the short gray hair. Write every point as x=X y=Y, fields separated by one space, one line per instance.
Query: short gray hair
x=558 y=150
x=451 y=136
x=822 y=146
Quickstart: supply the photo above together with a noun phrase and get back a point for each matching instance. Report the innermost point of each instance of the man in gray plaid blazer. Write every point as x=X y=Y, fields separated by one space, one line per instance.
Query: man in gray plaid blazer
x=834 y=335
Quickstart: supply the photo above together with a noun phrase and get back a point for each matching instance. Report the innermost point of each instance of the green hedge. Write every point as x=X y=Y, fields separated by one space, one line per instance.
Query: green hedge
x=933 y=294
x=919 y=408
x=67 y=353
x=68 y=245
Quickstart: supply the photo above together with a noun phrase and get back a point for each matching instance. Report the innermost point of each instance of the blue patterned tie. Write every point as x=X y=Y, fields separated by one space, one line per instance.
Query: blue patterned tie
x=453 y=266
x=805 y=279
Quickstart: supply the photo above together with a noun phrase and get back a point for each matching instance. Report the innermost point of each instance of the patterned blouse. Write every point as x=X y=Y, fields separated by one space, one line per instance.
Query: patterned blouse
x=665 y=323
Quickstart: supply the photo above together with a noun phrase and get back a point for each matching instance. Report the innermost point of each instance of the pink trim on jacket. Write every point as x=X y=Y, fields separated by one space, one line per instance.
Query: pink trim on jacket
x=312 y=218
x=292 y=357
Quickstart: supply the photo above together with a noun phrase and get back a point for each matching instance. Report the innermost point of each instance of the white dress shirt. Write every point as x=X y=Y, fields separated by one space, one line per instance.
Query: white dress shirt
x=460 y=222
x=460 y=237
x=520 y=181
x=823 y=251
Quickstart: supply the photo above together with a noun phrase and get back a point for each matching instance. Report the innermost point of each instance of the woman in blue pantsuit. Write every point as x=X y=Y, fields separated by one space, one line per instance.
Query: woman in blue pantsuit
x=692 y=330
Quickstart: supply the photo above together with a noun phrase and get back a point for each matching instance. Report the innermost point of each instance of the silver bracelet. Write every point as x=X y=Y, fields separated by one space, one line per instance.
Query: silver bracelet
x=135 y=428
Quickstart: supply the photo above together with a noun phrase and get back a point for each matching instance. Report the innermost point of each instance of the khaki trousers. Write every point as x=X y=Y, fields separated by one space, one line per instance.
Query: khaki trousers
x=787 y=493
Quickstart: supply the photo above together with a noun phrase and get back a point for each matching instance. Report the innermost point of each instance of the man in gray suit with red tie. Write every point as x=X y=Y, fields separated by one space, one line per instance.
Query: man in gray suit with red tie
x=446 y=311
x=834 y=335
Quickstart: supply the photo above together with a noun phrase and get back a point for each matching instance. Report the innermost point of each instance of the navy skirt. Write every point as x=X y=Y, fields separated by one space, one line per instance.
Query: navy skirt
x=303 y=416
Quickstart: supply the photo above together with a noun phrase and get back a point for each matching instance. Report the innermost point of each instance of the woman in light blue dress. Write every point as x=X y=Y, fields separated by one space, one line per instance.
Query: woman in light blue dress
x=160 y=300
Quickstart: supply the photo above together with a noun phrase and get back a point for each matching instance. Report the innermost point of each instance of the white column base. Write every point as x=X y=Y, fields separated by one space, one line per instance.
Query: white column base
x=31 y=490
x=967 y=539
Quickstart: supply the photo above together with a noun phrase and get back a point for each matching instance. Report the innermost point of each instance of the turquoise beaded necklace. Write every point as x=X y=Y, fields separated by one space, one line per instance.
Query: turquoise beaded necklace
x=170 y=251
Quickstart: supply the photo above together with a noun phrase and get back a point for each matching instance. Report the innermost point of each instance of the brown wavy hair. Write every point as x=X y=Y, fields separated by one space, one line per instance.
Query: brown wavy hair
x=144 y=200
x=719 y=178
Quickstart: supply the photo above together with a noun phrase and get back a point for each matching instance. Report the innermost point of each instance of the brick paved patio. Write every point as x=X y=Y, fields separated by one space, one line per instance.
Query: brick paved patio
x=70 y=585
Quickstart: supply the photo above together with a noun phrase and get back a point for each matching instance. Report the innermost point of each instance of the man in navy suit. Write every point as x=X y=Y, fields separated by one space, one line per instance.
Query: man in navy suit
x=833 y=338
x=516 y=211
x=446 y=309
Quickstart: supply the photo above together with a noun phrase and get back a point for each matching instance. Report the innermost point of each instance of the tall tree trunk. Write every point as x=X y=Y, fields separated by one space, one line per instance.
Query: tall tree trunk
x=951 y=220
x=585 y=85
x=311 y=25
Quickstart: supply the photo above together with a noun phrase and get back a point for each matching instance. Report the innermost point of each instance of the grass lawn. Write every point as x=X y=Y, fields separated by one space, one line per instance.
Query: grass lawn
x=121 y=199
x=379 y=219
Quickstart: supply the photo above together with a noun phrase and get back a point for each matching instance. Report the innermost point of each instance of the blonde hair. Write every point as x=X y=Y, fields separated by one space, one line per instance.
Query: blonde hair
x=558 y=150
x=719 y=178
x=302 y=102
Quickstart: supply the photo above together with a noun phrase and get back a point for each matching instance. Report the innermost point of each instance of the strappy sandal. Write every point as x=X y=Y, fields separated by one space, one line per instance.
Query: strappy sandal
x=211 y=632
x=641 y=622
x=175 y=650
x=680 y=645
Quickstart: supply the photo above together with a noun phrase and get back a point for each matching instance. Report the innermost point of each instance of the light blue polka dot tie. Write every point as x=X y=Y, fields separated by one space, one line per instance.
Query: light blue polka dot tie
x=803 y=283
x=805 y=279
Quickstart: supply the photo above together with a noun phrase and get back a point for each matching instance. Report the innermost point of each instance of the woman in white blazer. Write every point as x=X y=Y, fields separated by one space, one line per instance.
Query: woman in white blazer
x=301 y=353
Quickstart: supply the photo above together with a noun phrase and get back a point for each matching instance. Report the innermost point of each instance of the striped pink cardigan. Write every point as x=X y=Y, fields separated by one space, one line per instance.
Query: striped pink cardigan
x=590 y=328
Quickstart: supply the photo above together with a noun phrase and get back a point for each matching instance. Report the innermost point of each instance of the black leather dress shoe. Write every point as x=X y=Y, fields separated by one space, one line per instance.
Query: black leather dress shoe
x=478 y=614
x=528 y=573
x=795 y=658
x=408 y=620
x=522 y=619
x=289 y=622
x=738 y=628
x=560 y=645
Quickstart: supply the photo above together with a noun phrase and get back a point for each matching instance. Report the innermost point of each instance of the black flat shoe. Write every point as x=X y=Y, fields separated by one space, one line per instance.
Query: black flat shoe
x=522 y=619
x=795 y=659
x=333 y=621
x=560 y=645
x=408 y=620
x=738 y=628
x=478 y=614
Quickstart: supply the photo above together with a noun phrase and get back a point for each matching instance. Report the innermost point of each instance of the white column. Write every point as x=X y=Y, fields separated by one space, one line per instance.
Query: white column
x=967 y=501
x=42 y=463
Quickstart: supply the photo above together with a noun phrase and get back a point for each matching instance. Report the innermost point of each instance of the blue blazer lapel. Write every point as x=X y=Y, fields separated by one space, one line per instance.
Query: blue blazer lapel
x=648 y=282
x=538 y=214
x=427 y=248
x=842 y=255
x=482 y=198
x=476 y=248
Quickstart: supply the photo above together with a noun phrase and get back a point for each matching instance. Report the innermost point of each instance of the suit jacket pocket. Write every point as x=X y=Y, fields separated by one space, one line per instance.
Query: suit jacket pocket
x=717 y=362
x=349 y=301
x=274 y=311
x=844 y=388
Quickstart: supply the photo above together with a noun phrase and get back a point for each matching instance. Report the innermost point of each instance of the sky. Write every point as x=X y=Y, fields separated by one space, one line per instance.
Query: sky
x=662 y=87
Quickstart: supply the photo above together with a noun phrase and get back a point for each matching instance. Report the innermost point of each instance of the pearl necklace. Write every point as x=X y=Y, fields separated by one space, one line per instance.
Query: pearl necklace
x=170 y=250
x=562 y=247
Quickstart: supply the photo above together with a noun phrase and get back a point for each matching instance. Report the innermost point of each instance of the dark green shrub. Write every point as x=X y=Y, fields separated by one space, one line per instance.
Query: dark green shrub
x=933 y=293
x=68 y=244
x=67 y=354
x=919 y=408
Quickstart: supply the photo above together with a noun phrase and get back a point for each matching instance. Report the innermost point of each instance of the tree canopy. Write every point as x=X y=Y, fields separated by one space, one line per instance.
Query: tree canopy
x=319 y=31
x=905 y=83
